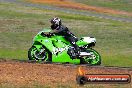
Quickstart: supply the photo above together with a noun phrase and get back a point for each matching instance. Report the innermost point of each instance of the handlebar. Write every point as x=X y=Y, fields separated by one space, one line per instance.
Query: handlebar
x=47 y=34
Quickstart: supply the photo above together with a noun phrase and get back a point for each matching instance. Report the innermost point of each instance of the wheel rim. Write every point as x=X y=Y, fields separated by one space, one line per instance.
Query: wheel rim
x=94 y=58
x=36 y=55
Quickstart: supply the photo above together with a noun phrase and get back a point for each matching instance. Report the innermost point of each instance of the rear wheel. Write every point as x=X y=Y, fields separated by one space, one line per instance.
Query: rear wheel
x=93 y=59
x=35 y=54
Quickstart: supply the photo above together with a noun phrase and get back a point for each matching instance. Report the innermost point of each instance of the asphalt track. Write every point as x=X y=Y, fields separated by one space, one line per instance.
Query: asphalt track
x=104 y=16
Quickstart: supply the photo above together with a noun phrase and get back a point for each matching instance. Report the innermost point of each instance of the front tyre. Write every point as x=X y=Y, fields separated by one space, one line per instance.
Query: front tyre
x=94 y=59
x=35 y=54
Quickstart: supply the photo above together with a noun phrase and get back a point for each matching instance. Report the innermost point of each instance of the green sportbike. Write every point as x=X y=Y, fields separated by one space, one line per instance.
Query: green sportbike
x=55 y=48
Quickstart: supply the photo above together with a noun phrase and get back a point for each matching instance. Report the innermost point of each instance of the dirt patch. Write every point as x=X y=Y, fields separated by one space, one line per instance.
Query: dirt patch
x=21 y=73
x=75 y=5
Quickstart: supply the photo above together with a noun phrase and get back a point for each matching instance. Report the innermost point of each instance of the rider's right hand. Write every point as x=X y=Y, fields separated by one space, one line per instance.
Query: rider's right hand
x=47 y=34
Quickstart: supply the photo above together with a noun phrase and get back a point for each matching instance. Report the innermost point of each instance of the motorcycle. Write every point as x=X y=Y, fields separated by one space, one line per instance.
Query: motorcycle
x=55 y=48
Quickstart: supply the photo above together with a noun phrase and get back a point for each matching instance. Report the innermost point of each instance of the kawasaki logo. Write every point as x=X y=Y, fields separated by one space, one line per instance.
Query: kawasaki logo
x=59 y=50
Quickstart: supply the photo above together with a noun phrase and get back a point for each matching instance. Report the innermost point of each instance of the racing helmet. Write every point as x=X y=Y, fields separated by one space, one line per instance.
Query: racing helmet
x=55 y=22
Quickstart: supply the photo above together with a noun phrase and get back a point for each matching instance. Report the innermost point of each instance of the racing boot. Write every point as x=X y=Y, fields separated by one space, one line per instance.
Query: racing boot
x=77 y=51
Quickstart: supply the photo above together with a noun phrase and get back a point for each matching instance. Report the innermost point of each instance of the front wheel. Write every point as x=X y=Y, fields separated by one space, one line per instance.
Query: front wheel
x=93 y=59
x=38 y=55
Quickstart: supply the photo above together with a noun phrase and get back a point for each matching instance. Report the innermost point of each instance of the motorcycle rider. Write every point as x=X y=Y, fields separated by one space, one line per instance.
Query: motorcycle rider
x=59 y=29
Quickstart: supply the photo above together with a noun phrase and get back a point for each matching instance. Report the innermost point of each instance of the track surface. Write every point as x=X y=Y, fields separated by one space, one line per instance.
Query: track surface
x=28 y=73
x=68 y=11
x=80 y=6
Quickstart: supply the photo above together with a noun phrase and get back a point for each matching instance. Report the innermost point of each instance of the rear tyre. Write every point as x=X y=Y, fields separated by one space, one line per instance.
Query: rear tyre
x=34 y=54
x=94 y=59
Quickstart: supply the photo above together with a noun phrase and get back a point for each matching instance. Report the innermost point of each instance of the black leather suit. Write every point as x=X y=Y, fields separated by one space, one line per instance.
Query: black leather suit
x=63 y=30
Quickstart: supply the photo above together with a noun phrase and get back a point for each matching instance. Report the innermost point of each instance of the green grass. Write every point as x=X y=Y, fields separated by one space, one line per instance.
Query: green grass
x=125 y=5
x=17 y=54
x=19 y=24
